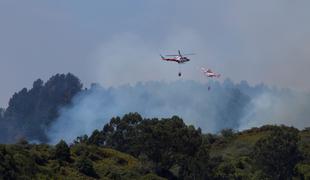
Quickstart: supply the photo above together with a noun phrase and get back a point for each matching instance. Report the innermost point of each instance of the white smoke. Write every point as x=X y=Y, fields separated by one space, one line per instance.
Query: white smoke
x=225 y=106
x=289 y=108
x=190 y=100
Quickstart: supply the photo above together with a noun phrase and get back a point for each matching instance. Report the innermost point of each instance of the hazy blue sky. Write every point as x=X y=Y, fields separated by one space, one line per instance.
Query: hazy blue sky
x=117 y=42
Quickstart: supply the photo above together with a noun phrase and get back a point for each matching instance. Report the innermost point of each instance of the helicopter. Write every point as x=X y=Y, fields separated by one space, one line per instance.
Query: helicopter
x=210 y=74
x=179 y=58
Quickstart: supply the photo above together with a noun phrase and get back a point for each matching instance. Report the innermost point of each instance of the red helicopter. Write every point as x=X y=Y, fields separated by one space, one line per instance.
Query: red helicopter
x=210 y=74
x=180 y=59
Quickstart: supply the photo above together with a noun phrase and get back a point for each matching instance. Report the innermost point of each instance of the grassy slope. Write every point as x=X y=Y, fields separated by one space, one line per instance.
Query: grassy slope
x=112 y=164
x=238 y=145
x=241 y=144
x=108 y=163
x=238 y=149
x=304 y=146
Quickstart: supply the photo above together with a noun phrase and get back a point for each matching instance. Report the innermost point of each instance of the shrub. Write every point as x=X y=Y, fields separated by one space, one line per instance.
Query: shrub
x=85 y=166
x=62 y=151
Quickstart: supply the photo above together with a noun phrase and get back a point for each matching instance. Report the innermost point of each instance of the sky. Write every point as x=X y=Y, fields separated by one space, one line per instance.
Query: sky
x=119 y=42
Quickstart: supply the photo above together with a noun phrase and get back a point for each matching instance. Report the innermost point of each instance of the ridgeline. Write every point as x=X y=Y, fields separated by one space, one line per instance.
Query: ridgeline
x=133 y=147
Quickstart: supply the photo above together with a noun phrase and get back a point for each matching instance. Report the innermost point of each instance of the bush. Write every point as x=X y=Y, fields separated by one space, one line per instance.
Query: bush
x=277 y=154
x=85 y=166
x=226 y=133
x=62 y=151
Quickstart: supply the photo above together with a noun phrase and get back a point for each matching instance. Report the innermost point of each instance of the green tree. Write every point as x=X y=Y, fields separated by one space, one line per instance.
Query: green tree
x=85 y=166
x=277 y=154
x=166 y=143
x=31 y=111
x=7 y=165
x=197 y=167
x=227 y=132
x=62 y=151
x=96 y=138
x=225 y=170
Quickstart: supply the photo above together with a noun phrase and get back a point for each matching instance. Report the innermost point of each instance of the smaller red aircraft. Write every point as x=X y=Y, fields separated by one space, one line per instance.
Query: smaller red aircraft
x=209 y=73
x=177 y=58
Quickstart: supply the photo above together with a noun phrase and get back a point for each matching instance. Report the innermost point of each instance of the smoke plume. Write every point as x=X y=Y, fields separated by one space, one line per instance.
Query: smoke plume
x=226 y=105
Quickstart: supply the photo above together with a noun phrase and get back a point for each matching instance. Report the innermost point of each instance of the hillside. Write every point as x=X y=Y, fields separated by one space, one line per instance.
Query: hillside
x=135 y=146
x=163 y=149
x=26 y=161
x=44 y=112
x=237 y=149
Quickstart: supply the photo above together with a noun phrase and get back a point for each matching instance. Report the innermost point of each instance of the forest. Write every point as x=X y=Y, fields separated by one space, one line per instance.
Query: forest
x=132 y=146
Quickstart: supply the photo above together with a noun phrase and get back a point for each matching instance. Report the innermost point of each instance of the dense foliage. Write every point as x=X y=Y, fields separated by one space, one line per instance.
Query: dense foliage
x=28 y=161
x=164 y=148
x=62 y=151
x=174 y=150
x=85 y=166
x=277 y=154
